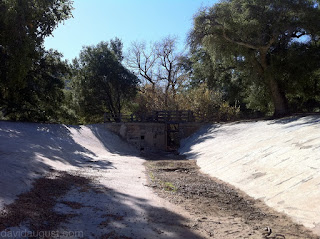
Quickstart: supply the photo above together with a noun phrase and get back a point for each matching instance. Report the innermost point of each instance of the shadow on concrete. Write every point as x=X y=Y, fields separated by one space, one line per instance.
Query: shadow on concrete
x=29 y=151
x=125 y=216
x=34 y=208
x=205 y=133
x=92 y=210
x=296 y=121
x=112 y=142
x=51 y=141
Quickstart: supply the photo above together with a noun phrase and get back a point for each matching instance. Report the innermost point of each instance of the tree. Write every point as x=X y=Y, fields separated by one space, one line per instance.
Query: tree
x=207 y=104
x=248 y=35
x=217 y=76
x=116 y=46
x=41 y=97
x=143 y=61
x=158 y=64
x=301 y=80
x=169 y=67
x=102 y=84
x=23 y=27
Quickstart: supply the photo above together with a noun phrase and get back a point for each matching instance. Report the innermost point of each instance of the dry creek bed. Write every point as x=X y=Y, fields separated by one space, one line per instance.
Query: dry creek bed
x=219 y=209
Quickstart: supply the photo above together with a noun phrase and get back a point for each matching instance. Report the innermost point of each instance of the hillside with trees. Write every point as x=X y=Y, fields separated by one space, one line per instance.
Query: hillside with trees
x=244 y=59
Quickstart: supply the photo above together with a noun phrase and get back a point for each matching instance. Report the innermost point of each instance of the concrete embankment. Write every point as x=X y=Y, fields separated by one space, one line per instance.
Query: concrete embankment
x=277 y=161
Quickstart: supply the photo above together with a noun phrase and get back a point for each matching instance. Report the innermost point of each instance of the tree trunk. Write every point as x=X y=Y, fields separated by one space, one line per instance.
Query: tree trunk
x=278 y=98
x=174 y=94
x=166 y=96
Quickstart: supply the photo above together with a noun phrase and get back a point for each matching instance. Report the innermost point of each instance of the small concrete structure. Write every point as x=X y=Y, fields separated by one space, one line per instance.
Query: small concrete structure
x=149 y=136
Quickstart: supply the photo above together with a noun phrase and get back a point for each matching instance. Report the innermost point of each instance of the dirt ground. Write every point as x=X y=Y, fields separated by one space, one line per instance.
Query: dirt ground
x=36 y=207
x=219 y=209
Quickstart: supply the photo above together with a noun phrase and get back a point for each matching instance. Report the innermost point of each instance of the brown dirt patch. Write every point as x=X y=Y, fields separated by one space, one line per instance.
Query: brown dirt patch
x=221 y=211
x=35 y=208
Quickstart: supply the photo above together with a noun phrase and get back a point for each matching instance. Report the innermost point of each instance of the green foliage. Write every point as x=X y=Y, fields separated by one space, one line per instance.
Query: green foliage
x=23 y=27
x=41 y=97
x=168 y=186
x=149 y=99
x=102 y=84
x=257 y=99
x=230 y=83
x=246 y=39
x=207 y=103
x=300 y=76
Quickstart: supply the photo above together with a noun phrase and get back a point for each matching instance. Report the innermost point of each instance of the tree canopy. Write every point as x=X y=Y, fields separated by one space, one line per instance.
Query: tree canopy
x=42 y=94
x=250 y=39
x=159 y=65
x=102 y=84
x=23 y=27
x=249 y=57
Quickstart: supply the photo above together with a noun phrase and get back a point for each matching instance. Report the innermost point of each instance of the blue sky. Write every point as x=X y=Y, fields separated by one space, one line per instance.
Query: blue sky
x=130 y=20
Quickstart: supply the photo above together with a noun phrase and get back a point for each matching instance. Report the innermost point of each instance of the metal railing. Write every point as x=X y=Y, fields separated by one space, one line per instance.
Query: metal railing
x=181 y=116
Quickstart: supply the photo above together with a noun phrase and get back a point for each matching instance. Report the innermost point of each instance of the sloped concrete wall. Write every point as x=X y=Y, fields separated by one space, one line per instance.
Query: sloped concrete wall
x=187 y=129
x=277 y=161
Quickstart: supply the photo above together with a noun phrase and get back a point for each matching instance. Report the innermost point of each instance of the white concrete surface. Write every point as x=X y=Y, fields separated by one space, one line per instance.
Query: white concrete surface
x=277 y=161
x=28 y=151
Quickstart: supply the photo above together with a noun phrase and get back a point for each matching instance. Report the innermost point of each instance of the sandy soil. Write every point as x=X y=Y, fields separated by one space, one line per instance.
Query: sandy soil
x=219 y=209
